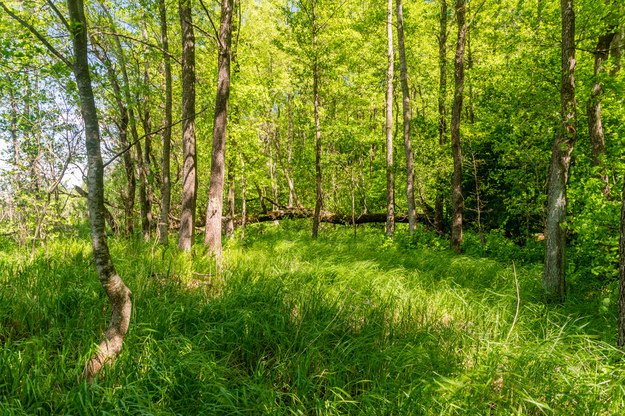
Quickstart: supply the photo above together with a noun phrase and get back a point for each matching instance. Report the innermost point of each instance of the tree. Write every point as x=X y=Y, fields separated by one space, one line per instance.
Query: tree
x=390 y=181
x=189 y=174
x=214 y=210
x=118 y=293
x=457 y=202
x=403 y=68
x=554 y=275
x=442 y=98
x=163 y=225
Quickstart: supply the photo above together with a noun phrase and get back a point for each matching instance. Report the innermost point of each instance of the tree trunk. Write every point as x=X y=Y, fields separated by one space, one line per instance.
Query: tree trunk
x=457 y=200
x=229 y=231
x=554 y=281
x=117 y=292
x=390 y=182
x=189 y=178
x=621 y=268
x=318 y=178
x=292 y=196
x=442 y=113
x=212 y=234
x=406 y=109
x=146 y=214
x=243 y=198
x=593 y=109
x=163 y=226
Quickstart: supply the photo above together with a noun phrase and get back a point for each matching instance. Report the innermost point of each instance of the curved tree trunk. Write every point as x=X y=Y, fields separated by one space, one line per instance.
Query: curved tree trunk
x=554 y=281
x=406 y=109
x=457 y=200
x=214 y=208
x=163 y=225
x=390 y=181
x=117 y=292
x=189 y=178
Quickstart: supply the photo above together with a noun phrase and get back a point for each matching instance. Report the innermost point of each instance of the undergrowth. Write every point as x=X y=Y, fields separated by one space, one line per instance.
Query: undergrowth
x=291 y=325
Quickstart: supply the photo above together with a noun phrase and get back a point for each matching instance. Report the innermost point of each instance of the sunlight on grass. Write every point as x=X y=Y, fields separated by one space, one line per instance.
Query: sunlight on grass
x=290 y=325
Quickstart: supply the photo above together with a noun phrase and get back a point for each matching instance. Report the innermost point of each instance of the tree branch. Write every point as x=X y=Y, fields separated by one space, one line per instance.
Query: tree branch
x=141 y=42
x=38 y=35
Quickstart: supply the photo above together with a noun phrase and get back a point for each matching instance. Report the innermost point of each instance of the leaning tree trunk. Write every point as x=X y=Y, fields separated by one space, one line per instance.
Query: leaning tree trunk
x=406 y=108
x=554 y=282
x=189 y=179
x=163 y=225
x=442 y=113
x=593 y=109
x=214 y=209
x=117 y=292
x=318 y=178
x=457 y=201
x=390 y=181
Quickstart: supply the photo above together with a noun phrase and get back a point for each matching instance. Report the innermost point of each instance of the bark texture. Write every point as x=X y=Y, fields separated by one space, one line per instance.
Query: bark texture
x=442 y=113
x=406 y=110
x=457 y=201
x=621 y=269
x=117 y=292
x=214 y=208
x=390 y=181
x=163 y=225
x=318 y=177
x=189 y=178
x=554 y=275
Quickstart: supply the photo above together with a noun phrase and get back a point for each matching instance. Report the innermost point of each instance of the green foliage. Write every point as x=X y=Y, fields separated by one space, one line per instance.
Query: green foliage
x=290 y=325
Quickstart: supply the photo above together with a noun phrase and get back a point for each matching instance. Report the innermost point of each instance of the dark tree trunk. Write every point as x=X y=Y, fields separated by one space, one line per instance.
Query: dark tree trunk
x=406 y=109
x=214 y=209
x=554 y=281
x=318 y=177
x=442 y=113
x=146 y=210
x=163 y=226
x=390 y=181
x=457 y=200
x=189 y=174
x=117 y=292
x=593 y=109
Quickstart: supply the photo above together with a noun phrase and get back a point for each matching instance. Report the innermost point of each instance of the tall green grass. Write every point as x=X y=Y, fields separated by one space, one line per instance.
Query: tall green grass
x=291 y=325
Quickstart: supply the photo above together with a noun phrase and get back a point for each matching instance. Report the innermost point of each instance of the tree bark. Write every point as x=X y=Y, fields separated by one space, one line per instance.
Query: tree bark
x=229 y=229
x=457 y=200
x=189 y=179
x=406 y=109
x=593 y=109
x=163 y=226
x=442 y=113
x=621 y=268
x=318 y=177
x=554 y=275
x=117 y=292
x=146 y=209
x=212 y=234
x=390 y=181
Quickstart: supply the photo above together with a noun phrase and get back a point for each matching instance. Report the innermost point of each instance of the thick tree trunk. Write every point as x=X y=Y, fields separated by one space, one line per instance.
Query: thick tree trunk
x=593 y=109
x=318 y=178
x=163 y=225
x=406 y=109
x=554 y=281
x=212 y=234
x=442 y=113
x=117 y=292
x=457 y=200
x=189 y=178
x=390 y=181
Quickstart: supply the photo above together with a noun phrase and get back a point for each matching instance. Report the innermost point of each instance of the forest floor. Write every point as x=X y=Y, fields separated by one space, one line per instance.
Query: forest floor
x=291 y=325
